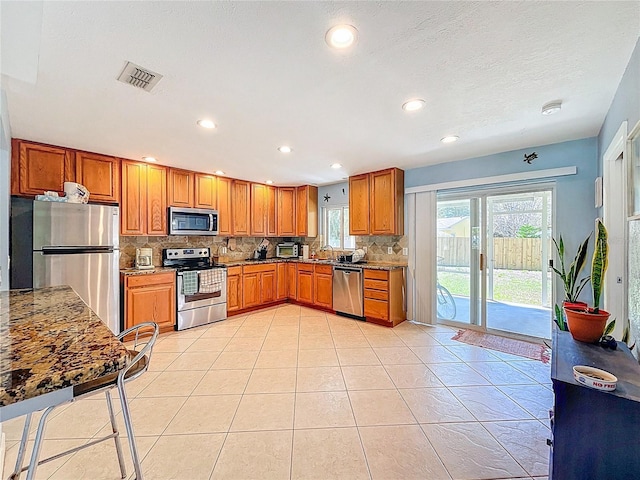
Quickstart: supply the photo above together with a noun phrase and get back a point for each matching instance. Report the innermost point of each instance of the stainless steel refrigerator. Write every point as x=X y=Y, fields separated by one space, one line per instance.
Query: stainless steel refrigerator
x=78 y=245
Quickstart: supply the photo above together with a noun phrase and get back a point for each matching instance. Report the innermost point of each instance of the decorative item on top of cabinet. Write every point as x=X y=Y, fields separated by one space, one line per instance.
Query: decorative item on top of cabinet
x=100 y=174
x=36 y=168
x=323 y=286
x=384 y=296
x=286 y=217
x=307 y=211
x=206 y=195
x=143 y=209
x=240 y=198
x=150 y=298
x=181 y=188
x=225 y=217
x=384 y=200
x=359 y=204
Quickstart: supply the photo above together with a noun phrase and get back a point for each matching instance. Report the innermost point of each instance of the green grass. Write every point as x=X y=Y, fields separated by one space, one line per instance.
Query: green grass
x=514 y=286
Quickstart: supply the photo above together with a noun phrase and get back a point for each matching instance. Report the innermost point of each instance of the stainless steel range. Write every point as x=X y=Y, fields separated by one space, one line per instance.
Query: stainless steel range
x=201 y=288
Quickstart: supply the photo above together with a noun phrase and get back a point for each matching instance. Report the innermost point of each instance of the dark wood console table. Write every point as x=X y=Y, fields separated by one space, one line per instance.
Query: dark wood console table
x=595 y=435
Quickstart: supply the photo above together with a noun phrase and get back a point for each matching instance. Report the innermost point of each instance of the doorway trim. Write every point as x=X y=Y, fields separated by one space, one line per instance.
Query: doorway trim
x=616 y=293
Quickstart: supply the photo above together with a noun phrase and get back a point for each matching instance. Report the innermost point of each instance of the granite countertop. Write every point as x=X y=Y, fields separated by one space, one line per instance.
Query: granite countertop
x=369 y=264
x=50 y=339
x=135 y=271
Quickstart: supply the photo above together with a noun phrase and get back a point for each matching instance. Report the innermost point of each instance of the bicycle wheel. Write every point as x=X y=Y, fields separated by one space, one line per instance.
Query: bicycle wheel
x=446 y=306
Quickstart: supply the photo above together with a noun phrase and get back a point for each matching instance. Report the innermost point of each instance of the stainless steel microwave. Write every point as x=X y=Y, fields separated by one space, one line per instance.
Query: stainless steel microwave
x=287 y=250
x=192 y=221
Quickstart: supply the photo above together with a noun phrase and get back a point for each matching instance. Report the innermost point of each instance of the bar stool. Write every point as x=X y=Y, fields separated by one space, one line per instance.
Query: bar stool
x=140 y=340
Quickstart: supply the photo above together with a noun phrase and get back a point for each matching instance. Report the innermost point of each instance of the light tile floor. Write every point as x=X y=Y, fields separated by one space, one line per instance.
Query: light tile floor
x=293 y=393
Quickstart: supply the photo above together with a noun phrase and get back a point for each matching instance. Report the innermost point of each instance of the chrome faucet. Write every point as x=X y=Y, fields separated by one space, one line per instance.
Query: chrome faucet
x=323 y=249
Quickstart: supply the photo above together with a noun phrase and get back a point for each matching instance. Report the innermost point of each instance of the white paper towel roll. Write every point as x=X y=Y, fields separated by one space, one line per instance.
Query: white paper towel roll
x=305 y=252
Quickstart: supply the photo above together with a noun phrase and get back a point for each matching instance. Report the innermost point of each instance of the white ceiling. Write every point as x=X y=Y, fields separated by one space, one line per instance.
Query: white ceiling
x=263 y=72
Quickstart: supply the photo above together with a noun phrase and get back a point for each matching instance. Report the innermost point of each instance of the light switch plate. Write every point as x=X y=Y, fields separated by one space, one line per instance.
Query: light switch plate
x=390 y=250
x=405 y=251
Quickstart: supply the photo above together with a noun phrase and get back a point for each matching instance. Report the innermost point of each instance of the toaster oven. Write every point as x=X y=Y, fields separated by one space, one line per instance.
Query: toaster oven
x=287 y=250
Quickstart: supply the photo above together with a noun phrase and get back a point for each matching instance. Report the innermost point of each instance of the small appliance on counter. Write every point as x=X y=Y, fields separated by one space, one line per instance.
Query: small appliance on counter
x=144 y=258
x=287 y=250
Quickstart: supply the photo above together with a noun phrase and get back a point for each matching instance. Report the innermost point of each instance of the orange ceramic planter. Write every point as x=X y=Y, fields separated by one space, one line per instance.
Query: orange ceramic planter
x=585 y=326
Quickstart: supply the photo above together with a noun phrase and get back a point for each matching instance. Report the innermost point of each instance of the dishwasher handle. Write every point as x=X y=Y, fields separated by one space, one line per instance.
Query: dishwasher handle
x=347 y=270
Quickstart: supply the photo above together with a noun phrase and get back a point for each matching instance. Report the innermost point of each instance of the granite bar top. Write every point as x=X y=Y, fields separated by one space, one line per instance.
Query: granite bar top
x=135 y=271
x=49 y=340
x=369 y=264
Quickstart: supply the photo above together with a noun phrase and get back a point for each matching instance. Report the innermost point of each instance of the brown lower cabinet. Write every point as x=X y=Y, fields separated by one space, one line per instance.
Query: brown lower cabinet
x=150 y=298
x=384 y=296
x=254 y=286
x=323 y=286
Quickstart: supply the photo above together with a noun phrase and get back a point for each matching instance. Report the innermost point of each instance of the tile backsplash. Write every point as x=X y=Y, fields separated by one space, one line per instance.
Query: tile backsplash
x=239 y=248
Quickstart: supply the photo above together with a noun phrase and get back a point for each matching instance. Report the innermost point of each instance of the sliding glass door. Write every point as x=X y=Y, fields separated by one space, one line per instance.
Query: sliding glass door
x=493 y=248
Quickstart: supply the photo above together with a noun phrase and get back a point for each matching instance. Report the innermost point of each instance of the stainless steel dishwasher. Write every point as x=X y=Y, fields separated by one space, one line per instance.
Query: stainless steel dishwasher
x=348 y=291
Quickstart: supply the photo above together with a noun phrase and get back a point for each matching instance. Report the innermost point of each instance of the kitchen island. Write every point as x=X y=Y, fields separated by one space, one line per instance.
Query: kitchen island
x=50 y=340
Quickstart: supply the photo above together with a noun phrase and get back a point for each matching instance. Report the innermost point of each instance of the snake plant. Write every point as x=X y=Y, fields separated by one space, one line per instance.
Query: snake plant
x=599 y=264
x=572 y=286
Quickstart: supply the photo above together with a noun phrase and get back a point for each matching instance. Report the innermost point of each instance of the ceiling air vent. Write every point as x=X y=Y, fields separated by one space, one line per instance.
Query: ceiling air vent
x=139 y=77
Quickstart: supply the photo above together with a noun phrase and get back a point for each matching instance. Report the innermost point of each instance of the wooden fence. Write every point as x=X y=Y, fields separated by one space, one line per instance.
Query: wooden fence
x=508 y=253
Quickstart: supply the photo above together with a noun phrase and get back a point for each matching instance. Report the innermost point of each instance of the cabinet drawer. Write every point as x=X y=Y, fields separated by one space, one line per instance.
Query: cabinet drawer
x=265 y=267
x=376 y=309
x=376 y=294
x=324 y=269
x=147 y=279
x=376 y=284
x=305 y=267
x=234 y=271
x=376 y=274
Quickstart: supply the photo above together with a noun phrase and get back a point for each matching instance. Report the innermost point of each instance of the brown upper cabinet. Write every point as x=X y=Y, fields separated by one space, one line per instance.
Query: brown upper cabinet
x=206 y=191
x=376 y=203
x=286 y=226
x=225 y=223
x=258 y=209
x=38 y=168
x=307 y=211
x=272 y=212
x=181 y=188
x=359 y=204
x=143 y=210
x=241 y=200
x=100 y=174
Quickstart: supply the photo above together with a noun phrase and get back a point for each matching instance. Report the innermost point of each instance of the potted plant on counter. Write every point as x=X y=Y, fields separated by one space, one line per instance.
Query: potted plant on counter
x=587 y=324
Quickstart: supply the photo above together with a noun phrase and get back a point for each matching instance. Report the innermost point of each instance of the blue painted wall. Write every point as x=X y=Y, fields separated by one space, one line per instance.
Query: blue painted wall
x=625 y=105
x=575 y=196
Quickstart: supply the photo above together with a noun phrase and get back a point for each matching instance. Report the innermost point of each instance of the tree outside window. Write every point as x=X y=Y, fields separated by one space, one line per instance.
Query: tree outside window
x=336 y=228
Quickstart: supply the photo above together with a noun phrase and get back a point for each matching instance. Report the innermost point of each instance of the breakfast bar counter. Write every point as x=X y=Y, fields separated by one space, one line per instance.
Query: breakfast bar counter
x=50 y=340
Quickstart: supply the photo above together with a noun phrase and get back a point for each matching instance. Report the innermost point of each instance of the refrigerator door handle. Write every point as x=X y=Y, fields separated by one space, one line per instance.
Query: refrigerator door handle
x=75 y=250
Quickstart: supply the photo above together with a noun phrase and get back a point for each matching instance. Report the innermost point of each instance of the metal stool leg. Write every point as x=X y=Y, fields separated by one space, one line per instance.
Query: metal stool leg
x=129 y=426
x=33 y=464
x=22 y=449
x=114 y=429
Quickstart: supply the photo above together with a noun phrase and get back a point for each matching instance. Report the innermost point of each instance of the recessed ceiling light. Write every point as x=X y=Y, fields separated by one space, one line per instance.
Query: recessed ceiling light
x=341 y=36
x=149 y=159
x=551 y=108
x=219 y=172
x=336 y=165
x=284 y=149
x=413 y=105
x=205 y=123
x=269 y=182
x=449 y=139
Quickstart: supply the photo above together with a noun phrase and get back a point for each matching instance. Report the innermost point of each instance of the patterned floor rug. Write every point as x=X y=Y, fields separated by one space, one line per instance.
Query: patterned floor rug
x=534 y=351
